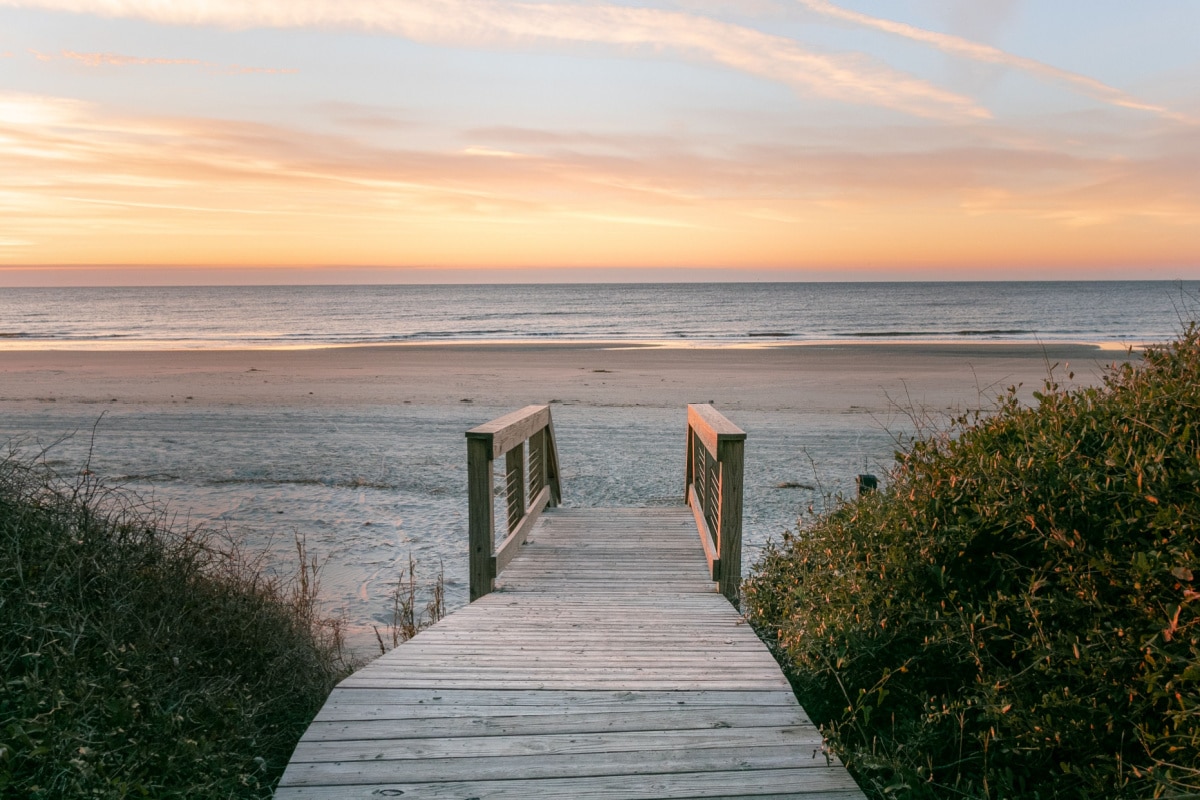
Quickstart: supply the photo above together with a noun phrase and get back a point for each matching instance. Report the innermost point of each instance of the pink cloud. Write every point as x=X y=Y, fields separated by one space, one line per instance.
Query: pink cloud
x=99 y=60
x=115 y=60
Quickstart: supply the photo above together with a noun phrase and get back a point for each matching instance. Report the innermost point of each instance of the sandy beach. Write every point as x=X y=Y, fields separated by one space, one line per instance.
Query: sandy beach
x=828 y=378
x=360 y=450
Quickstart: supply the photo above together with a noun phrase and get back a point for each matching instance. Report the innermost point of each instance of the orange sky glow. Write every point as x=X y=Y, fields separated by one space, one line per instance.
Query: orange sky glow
x=791 y=140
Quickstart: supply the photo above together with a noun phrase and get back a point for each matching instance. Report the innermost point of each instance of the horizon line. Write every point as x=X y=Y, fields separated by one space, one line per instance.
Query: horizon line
x=132 y=276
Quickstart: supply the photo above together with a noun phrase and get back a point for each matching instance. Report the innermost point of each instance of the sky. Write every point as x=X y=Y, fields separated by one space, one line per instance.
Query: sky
x=277 y=141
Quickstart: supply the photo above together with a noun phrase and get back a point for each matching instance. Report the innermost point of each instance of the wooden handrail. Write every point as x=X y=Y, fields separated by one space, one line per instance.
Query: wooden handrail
x=530 y=485
x=713 y=489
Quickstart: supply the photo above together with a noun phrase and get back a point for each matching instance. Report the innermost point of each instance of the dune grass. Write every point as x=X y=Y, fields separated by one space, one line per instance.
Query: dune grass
x=1016 y=614
x=145 y=660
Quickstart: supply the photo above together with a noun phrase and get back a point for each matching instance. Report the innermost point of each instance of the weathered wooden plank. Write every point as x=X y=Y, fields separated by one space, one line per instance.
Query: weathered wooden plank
x=385 y=708
x=611 y=683
x=591 y=645
x=400 y=714
x=786 y=718
x=566 y=701
x=590 y=634
x=802 y=741
x=581 y=678
x=688 y=628
x=462 y=647
x=807 y=784
x=645 y=654
x=646 y=762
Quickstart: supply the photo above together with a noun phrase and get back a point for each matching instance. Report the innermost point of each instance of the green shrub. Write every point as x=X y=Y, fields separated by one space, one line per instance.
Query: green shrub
x=141 y=660
x=1016 y=614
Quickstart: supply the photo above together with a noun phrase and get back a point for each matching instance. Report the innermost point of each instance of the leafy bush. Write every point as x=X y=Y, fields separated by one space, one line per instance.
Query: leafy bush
x=143 y=661
x=1016 y=615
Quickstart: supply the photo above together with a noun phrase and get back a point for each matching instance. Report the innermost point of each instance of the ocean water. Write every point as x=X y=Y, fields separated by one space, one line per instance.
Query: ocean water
x=1126 y=312
x=367 y=487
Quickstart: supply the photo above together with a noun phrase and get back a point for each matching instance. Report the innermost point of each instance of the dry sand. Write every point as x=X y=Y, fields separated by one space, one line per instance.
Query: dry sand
x=813 y=378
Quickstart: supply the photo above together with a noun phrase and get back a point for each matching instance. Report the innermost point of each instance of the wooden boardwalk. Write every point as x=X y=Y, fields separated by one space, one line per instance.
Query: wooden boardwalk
x=604 y=664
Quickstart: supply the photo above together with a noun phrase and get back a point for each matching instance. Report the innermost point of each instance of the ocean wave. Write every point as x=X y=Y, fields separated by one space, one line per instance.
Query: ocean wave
x=258 y=317
x=936 y=333
x=996 y=332
x=460 y=334
x=156 y=477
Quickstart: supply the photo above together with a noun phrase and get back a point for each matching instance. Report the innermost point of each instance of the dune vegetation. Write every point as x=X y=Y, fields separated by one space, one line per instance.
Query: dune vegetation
x=145 y=660
x=1015 y=615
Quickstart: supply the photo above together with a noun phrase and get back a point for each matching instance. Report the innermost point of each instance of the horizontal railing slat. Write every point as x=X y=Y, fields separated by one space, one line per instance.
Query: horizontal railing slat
x=510 y=430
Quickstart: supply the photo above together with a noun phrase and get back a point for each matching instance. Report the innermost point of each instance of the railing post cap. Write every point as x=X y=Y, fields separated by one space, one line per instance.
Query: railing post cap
x=716 y=426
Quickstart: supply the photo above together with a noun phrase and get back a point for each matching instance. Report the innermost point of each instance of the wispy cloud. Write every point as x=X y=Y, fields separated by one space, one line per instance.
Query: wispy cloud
x=845 y=77
x=115 y=60
x=976 y=51
x=98 y=60
x=82 y=181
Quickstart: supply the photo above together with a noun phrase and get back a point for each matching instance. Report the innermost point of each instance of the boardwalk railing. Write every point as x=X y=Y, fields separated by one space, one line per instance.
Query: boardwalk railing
x=714 y=491
x=530 y=485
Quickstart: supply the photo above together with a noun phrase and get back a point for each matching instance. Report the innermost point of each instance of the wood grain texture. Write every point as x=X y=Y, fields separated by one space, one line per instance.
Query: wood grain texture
x=506 y=432
x=711 y=426
x=604 y=665
x=729 y=536
x=480 y=510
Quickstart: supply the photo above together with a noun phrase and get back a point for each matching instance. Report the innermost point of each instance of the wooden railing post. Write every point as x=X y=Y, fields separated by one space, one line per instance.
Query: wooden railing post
x=729 y=456
x=480 y=513
x=506 y=436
